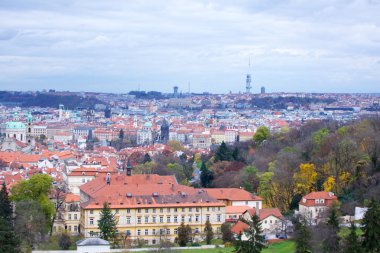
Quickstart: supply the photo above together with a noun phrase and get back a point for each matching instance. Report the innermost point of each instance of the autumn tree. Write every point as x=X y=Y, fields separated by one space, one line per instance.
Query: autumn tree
x=227 y=235
x=184 y=233
x=305 y=178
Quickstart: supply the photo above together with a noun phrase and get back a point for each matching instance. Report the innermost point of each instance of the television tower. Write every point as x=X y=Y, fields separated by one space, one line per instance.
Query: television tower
x=248 y=81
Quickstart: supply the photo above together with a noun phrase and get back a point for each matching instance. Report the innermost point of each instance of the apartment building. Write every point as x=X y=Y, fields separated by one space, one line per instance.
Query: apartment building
x=148 y=207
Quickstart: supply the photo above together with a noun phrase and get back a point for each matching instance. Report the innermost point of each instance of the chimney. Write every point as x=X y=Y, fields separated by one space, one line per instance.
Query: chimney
x=108 y=179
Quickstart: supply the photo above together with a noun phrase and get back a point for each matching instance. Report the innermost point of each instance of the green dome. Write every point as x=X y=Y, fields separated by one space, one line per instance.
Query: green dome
x=15 y=125
x=148 y=124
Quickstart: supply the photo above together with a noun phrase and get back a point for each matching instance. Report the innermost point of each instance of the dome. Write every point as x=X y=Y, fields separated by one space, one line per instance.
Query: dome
x=148 y=124
x=15 y=125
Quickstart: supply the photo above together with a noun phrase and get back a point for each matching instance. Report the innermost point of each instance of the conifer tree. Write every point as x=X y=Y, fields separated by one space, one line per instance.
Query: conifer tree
x=255 y=240
x=223 y=153
x=209 y=232
x=371 y=228
x=352 y=244
x=107 y=224
x=236 y=154
x=206 y=176
x=147 y=158
x=302 y=237
x=9 y=243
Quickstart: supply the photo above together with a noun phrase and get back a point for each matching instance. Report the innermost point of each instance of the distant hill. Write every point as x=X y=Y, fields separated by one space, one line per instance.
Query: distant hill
x=70 y=101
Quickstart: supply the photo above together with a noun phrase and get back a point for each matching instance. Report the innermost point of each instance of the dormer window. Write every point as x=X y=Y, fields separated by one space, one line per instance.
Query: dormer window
x=322 y=201
x=317 y=201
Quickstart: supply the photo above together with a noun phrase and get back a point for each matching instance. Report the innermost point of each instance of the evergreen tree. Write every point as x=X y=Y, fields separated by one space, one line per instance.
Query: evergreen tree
x=302 y=237
x=147 y=158
x=352 y=243
x=183 y=235
x=371 y=228
x=236 y=154
x=9 y=243
x=209 y=232
x=121 y=135
x=223 y=153
x=331 y=241
x=107 y=224
x=255 y=240
x=206 y=176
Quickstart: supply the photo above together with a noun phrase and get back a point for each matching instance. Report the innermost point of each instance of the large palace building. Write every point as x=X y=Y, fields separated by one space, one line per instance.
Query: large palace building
x=148 y=207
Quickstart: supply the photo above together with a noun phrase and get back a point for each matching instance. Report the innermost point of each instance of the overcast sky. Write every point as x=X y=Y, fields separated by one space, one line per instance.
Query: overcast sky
x=118 y=46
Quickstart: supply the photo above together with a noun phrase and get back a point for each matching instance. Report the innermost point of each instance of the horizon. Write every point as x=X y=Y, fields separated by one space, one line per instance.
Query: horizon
x=201 y=46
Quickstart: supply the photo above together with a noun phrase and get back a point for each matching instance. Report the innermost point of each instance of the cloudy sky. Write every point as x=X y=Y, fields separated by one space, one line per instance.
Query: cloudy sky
x=118 y=46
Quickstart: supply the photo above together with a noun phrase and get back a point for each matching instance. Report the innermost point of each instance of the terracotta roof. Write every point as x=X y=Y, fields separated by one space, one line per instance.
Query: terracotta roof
x=310 y=199
x=232 y=194
x=70 y=197
x=266 y=212
x=239 y=227
x=236 y=209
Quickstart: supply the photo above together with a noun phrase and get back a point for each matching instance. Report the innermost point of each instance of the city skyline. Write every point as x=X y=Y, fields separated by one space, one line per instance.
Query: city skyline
x=119 y=47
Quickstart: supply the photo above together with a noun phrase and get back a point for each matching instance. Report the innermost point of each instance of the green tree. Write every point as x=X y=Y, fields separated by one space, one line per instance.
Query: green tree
x=352 y=243
x=147 y=158
x=206 y=176
x=8 y=240
x=36 y=188
x=262 y=134
x=331 y=241
x=255 y=240
x=209 y=232
x=302 y=237
x=64 y=241
x=226 y=232
x=121 y=135
x=251 y=179
x=236 y=154
x=371 y=228
x=183 y=235
x=223 y=153
x=107 y=224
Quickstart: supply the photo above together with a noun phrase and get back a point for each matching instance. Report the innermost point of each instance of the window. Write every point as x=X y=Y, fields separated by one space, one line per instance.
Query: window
x=218 y=208
x=154 y=210
x=213 y=209
x=168 y=219
x=146 y=219
x=75 y=216
x=154 y=219
x=139 y=220
x=153 y=231
x=175 y=209
x=246 y=203
x=138 y=232
x=146 y=210
x=190 y=209
x=175 y=231
x=75 y=228
x=117 y=211
x=69 y=216
x=265 y=221
x=197 y=218
x=128 y=220
x=128 y=232
x=197 y=209
x=189 y=218
x=91 y=221
x=168 y=209
x=218 y=218
x=317 y=201
x=208 y=209
x=154 y=241
x=146 y=232
x=91 y=211
x=168 y=231
x=197 y=230
x=83 y=180
x=128 y=210
x=182 y=218
x=183 y=209
x=270 y=221
x=161 y=231
x=161 y=210
x=175 y=219
x=208 y=218
x=139 y=210
x=161 y=219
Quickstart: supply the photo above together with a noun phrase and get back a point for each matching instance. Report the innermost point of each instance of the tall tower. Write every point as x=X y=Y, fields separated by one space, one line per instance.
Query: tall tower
x=248 y=81
x=175 y=91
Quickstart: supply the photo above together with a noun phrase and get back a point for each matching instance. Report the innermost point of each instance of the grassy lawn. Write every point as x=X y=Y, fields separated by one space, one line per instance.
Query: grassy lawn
x=52 y=243
x=280 y=247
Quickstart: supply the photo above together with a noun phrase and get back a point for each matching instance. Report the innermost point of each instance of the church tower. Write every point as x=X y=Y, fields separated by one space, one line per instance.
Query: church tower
x=29 y=129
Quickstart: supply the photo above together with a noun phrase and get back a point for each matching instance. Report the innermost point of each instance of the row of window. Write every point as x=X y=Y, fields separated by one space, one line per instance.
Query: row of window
x=161 y=210
x=75 y=216
x=168 y=219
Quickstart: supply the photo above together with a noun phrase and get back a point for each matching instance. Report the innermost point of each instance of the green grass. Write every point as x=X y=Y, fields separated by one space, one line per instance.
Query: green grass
x=52 y=243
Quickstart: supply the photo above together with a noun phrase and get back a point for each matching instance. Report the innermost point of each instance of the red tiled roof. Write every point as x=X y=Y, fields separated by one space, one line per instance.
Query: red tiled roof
x=239 y=227
x=236 y=209
x=266 y=212
x=309 y=199
x=70 y=197
x=232 y=194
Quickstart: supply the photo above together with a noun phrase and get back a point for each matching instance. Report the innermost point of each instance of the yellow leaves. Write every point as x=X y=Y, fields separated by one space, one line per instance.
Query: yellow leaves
x=344 y=177
x=329 y=184
x=306 y=178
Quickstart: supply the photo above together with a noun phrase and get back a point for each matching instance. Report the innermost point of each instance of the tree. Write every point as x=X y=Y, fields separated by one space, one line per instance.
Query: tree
x=251 y=179
x=121 y=135
x=223 y=153
x=206 y=176
x=176 y=145
x=107 y=224
x=36 y=188
x=331 y=241
x=147 y=158
x=183 y=235
x=8 y=240
x=64 y=241
x=302 y=237
x=59 y=200
x=352 y=243
x=209 y=232
x=371 y=228
x=226 y=232
x=305 y=178
x=236 y=154
x=255 y=240
x=262 y=134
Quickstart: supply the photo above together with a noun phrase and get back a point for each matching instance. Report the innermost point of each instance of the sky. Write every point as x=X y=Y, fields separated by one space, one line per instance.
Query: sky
x=120 y=45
